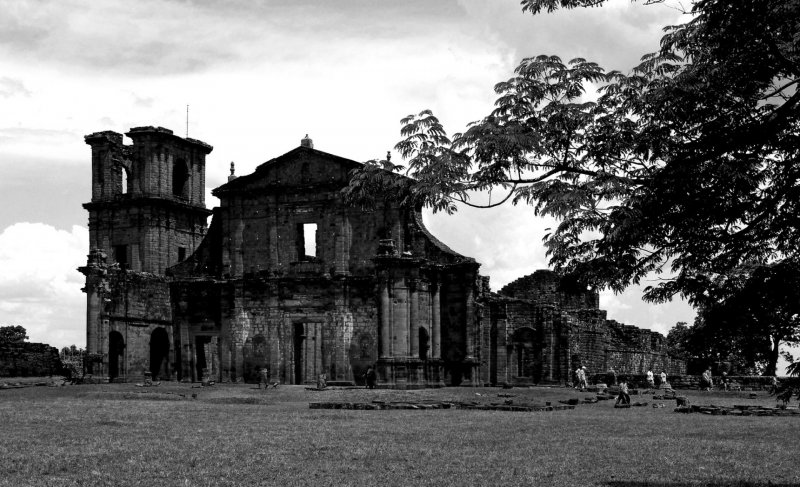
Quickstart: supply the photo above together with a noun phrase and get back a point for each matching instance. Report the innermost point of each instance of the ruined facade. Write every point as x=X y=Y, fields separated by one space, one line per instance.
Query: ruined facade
x=289 y=278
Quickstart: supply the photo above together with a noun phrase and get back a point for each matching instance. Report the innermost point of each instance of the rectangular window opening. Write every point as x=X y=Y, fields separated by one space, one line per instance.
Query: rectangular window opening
x=121 y=256
x=308 y=242
x=181 y=254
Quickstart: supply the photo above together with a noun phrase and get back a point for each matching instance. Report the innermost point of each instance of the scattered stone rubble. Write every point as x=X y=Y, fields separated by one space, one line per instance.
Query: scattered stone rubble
x=739 y=410
x=384 y=405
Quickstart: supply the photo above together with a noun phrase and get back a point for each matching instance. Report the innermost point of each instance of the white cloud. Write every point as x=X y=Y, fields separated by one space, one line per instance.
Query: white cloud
x=10 y=87
x=40 y=287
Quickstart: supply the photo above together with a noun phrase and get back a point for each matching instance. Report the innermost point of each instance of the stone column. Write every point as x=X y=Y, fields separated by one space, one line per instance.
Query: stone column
x=186 y=352
x=386 y=347
x=469 y=326
x=414 y=320
x=92 y=318
x=436 y=322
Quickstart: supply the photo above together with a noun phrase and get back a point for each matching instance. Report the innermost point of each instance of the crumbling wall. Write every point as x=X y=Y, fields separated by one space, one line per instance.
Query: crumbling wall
x=547 y=287
x=568 y=331
x=29 y=360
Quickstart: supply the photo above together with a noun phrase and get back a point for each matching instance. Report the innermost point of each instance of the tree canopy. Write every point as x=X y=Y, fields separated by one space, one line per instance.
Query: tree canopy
x=13 y=334
x=685 y=166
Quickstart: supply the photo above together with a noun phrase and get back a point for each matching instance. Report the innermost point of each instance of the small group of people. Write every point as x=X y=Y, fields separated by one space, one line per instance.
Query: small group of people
x=263 y=378
x=581 y=382
x=651 y=381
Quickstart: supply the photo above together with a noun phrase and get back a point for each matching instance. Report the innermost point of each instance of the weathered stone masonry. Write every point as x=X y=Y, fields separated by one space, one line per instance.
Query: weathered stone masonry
x=289 y=278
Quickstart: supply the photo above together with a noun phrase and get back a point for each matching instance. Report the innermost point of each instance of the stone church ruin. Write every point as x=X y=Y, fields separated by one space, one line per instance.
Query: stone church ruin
x=288 y=277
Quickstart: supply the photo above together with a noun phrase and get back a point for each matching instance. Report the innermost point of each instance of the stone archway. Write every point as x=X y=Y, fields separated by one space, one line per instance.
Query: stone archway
x=116 y=348
x=424 y=343
x=159 y=353
x=525 y=354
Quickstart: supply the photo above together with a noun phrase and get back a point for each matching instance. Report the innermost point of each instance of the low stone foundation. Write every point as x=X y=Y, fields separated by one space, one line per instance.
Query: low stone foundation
x=381 y=405
x=739 y=410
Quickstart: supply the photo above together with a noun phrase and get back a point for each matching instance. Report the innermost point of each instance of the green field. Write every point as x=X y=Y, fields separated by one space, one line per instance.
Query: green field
x=236 y=434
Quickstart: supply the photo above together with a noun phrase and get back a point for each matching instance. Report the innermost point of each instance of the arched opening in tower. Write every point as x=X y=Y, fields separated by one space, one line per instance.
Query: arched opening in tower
x=180 y=176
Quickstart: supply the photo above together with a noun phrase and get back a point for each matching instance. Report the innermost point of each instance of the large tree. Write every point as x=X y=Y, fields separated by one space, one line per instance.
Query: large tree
x=744 y=322
x=13 y=334
x=687 y=165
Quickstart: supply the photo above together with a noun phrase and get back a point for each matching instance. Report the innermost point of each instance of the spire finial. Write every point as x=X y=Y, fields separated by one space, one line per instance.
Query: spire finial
x=307 y=142
x=232 y=176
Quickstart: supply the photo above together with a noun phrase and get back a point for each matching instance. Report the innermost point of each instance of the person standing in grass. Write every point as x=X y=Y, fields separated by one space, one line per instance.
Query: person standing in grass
x=651 y=383
x=263 y=378
x=623 y=397
x=580 y=377
x=611 y=377
x=370 y=377
x=707 y=382
x=663 y=384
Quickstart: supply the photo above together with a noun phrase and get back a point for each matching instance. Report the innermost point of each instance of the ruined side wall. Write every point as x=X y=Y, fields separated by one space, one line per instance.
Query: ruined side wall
x=547 y=287
x=600 y=344
x=28 y=360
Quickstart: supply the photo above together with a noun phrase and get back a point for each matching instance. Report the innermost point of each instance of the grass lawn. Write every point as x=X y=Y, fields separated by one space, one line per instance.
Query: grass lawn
x=235 y=434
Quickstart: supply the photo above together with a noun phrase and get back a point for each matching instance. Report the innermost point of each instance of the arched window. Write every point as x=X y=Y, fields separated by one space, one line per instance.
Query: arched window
x=180 y=176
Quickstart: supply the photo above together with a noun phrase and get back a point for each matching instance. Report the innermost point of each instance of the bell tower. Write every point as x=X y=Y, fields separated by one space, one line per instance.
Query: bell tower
x=148 y=199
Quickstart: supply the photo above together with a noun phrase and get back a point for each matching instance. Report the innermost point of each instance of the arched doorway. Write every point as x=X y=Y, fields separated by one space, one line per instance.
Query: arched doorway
x=523 y=342
x=159 y=353
x=424 y=343
x=116 y=347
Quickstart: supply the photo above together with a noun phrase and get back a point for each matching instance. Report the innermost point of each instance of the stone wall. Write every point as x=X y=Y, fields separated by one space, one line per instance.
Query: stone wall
x=132 y=306
x=539 y=330
x=29 y=360
x=297 y=328
x=547 y=287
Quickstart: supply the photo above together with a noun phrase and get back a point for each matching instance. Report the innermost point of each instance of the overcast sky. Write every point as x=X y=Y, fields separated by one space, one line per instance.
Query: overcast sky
x=258 y=76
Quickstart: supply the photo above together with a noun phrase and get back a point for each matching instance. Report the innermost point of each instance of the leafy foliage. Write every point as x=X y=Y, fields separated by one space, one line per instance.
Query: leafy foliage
x=688 y=164
x=13 y=334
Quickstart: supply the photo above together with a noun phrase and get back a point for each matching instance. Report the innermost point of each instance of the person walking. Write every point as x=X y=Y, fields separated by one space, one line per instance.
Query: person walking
x=263 y=378
x=707 y=382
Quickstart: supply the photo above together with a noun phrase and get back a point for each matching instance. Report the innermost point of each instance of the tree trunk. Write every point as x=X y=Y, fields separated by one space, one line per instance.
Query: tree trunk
x=774 y=353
